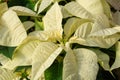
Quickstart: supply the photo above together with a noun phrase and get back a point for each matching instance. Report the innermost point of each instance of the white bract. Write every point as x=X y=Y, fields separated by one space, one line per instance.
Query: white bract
x=90 y=26
x=23 y=11
x=10 y=28
x=6 y=74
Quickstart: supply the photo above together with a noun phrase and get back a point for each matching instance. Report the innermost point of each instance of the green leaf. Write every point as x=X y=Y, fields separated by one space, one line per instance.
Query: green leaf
x=24 y=18
x=80 y=64
x=17 y=2
x=3 y=8
x=7 y=51
x=54 y=72
x=23 y=11
x=77 y=10
x=31 y=4
x=11 y=34
x=39 y=25
x=116 y=64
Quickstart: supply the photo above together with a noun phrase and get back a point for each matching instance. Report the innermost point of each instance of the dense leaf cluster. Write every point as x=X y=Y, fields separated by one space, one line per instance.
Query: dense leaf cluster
x=59 y=39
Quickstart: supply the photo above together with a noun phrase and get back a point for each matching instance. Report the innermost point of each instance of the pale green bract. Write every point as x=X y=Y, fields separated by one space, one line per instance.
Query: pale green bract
x=103 y=59
x=116 y=64
x=106 y=8
x=3 y=8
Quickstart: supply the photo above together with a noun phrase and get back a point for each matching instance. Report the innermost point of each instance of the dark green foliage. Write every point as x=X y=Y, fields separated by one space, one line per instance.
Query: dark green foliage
x=54 y=72
x=17 y=2
x=104 y=75
x=27 y=3
x=7 y=51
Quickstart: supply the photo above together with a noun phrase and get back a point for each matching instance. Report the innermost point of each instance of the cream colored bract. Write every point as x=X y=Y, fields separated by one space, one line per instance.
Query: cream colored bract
x=83 y=22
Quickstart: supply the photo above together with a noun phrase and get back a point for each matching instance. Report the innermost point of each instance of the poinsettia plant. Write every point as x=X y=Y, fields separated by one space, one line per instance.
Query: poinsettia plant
x=61 y=40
